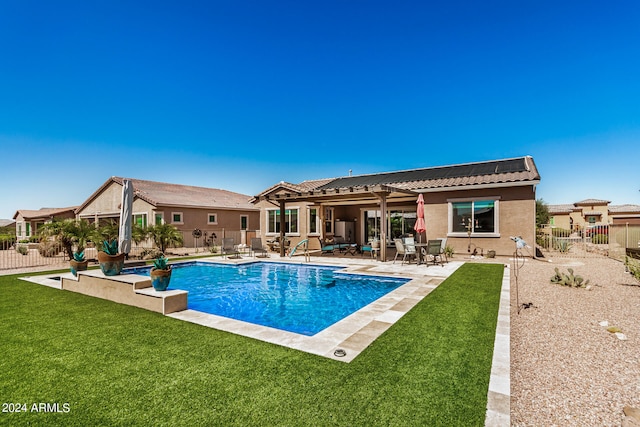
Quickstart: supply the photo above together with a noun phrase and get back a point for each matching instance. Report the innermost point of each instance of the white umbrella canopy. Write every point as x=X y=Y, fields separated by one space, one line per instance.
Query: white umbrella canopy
x=126 y=207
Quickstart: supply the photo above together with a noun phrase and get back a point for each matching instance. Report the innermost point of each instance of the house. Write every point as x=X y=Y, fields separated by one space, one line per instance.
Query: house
x=29 y=221
x=212 y=211
x=476 y=206
x=591 y=212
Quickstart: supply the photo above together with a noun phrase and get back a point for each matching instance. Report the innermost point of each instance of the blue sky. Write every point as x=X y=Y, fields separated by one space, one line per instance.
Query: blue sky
x=242 y=94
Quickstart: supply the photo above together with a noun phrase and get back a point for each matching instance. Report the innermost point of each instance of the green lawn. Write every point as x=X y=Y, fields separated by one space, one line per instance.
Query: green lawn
x=119 y=365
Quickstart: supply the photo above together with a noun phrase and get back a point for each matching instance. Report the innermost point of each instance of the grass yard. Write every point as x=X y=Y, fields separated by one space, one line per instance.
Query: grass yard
x=118 y=365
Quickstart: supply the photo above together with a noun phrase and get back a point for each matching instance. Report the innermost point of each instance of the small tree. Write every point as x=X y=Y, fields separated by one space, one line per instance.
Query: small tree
x=69 y=232
x=542 y=212
x=165 y=235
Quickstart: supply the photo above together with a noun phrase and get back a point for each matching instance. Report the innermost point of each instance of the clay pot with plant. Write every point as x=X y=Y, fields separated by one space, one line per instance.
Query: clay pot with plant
x=160 y=274
x=111 y=262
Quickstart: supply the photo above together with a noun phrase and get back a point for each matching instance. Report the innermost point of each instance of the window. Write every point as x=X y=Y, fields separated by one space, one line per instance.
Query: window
x=28 y=229
x=176 y=217
x=290 y=221
x=159 y=218
x=212 y=218
x=19 y=233
x=244 y=222
x=140 y=220
x=314 y=221
x=480 y=217
x=328 y=220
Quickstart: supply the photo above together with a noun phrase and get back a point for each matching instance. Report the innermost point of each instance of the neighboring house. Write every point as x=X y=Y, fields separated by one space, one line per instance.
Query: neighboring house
x=29 y=221
x=592 y=212
x=476 y=206
x=188 y=208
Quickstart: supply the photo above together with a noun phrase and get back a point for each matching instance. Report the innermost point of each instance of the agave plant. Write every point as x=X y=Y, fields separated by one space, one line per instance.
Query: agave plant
x=161 y=263
x=110 y=247
x=78 y=256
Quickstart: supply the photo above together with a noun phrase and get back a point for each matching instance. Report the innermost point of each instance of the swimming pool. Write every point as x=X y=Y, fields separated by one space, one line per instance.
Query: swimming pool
x=304 y=299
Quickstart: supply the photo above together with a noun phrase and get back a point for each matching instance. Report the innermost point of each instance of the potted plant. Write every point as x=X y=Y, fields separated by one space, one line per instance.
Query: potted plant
x=160 y=274
x=111 y=262
x=78 y=263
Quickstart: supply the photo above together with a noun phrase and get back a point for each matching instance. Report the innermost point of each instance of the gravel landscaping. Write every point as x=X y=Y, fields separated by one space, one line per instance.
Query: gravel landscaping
x=566 y=368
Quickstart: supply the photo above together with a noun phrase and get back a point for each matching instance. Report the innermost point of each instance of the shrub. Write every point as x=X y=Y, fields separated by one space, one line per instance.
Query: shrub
x=561 y=245
x=600 y=239
x=560 y=232
x=22 y=249
x=49 y=249
x=633 y=266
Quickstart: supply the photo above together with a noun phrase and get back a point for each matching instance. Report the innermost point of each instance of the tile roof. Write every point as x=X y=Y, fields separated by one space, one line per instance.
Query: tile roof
x=590 y=202
x=566 y=208
x=43 y=212
x=520 y=169
x=6 y=222
x=161 y=193
x=615 y=209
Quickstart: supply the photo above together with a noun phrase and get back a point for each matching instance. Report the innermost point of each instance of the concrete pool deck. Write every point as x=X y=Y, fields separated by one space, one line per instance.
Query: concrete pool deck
x=346 y=339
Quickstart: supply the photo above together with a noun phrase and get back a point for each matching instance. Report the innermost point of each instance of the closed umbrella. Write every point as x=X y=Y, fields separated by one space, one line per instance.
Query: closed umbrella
x=124 y=232
x=420 y=226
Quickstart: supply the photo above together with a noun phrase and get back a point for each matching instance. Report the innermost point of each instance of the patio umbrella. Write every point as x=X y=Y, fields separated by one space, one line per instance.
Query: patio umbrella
x=124 y=232
x=420 y=226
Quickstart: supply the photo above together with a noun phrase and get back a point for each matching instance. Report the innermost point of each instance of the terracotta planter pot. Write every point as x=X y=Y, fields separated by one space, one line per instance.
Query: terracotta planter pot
x=160 y=278
x=111 y=265
x=78 y=266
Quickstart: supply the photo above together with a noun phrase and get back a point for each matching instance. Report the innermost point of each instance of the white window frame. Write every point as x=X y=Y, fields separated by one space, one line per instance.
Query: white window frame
x=318 y=222
x=173 y=214
x=328 y=220
x=142 y=214
x=276 y=233
x=209 y=222
x=496 y=216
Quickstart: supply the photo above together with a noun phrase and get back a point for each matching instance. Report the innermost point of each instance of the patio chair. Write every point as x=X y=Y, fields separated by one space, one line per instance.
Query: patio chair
x=404 y=250
x=443 y=245
x=256 y=247
x=432 y=253
x=372 y=247
x=229 y=247
x=327 y=247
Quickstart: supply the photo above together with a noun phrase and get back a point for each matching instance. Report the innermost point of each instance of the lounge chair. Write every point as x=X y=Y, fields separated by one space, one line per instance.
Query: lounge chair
x=407 y=251
x=372 y=247
x=256 y=247
x=327 y=247
x=229 y=247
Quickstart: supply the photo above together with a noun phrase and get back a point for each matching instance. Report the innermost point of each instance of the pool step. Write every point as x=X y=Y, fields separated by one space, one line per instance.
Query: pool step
x=130 y=289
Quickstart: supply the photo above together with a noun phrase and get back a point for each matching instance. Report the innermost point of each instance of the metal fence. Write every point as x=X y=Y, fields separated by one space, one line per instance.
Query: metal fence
x=15 y=255
x=591 y=241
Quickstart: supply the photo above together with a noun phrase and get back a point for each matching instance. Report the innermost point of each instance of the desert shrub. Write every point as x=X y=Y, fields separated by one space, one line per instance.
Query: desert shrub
x=22 y=249
x=561 y=245
x=49 y=249
x=600 y=239
x=560 y=232
x=633 y=265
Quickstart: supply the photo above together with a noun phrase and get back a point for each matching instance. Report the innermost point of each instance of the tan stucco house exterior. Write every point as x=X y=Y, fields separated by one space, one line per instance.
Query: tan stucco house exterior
x=592 y=212
x=476 y=206
x=27 y=222
x=188 y=208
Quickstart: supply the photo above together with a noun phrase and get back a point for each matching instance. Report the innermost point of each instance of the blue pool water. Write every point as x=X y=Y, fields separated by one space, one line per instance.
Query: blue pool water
x=298 y=298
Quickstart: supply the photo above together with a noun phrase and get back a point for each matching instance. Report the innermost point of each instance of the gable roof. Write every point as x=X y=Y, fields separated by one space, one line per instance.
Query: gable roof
x=565 y=208
x=43 y=213
x=591 y=202
x=6 y=222
x=166 y=194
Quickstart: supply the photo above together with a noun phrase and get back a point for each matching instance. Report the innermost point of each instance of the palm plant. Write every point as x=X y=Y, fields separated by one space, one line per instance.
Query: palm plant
x=165 y=235
x=69 y=232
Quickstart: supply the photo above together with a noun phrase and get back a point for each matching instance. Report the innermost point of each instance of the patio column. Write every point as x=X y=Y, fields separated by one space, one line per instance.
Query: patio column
x=282 y=230
x=383 y=227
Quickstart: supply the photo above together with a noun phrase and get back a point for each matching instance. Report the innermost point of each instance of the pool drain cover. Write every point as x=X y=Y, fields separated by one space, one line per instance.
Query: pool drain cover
x=340 y=353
